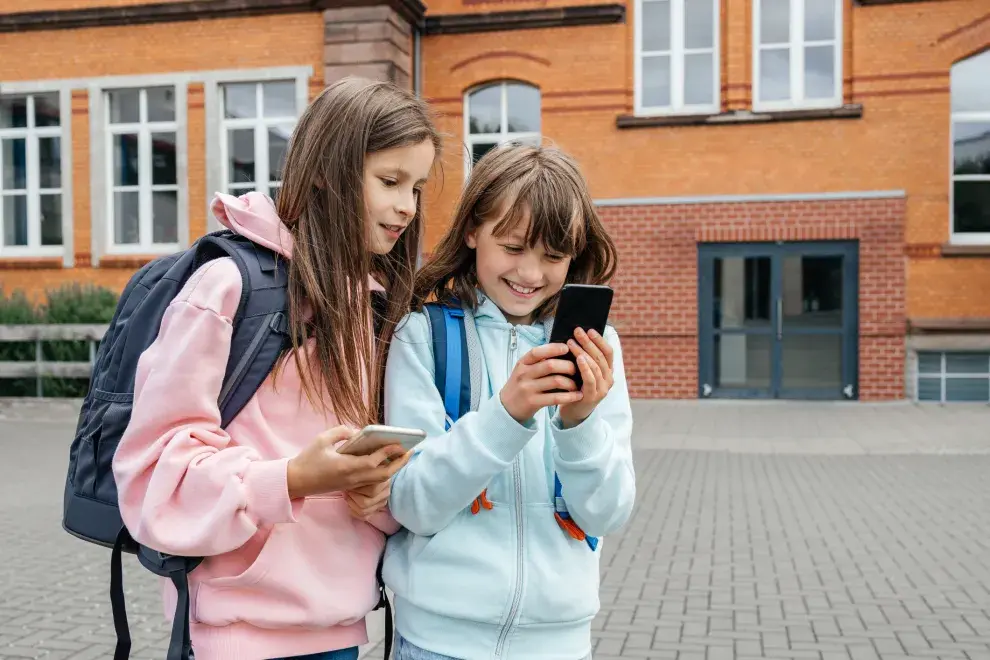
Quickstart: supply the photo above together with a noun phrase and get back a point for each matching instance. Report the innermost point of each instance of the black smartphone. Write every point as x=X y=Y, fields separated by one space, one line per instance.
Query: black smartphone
x=584 y=306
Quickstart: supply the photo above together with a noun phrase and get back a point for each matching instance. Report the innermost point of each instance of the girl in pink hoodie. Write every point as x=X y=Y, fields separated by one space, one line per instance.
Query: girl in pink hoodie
x=291 y=530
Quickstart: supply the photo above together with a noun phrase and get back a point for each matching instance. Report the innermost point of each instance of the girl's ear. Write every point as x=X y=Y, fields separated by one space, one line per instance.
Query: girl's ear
x=471 y=238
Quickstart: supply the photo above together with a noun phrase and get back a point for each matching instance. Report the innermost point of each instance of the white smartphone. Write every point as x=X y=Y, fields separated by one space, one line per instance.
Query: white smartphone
x=375 y=436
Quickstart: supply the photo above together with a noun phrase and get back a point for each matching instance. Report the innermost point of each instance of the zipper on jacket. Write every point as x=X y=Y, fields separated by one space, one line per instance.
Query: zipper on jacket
x=517 y=487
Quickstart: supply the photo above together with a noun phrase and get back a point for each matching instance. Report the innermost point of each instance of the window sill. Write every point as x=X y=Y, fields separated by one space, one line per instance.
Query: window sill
x=130 y=261
x=934 y=325
x=960 y=250
x=850 y=111
x=30 y=263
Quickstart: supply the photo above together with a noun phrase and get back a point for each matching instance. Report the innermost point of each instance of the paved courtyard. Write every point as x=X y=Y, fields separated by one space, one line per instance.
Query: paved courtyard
x=818 y=531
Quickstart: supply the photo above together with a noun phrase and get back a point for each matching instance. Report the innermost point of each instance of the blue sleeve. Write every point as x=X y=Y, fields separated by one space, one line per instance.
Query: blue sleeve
x=594 y=459
x=450 y=468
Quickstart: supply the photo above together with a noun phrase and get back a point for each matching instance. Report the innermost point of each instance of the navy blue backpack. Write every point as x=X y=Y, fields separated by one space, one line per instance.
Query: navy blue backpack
x=455 y=370
x=260 y=335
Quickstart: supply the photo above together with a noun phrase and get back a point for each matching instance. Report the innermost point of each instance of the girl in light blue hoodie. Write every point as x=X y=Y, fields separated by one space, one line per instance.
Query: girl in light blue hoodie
x=491 y=563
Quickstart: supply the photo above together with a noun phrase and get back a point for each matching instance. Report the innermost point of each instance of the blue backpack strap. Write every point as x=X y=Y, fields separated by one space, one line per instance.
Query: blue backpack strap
x=450 y=360
x=560 y=508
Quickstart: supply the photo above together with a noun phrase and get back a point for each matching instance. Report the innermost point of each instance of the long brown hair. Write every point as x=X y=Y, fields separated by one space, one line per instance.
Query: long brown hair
x=321 y=201
x=506 y=184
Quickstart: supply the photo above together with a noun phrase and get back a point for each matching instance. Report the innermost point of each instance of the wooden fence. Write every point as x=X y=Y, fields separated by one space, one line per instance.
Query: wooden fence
x=39 y=368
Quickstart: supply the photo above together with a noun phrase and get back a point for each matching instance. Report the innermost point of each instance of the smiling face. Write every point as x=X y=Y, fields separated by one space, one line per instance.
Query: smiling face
x=518 y=277
x=393 y=181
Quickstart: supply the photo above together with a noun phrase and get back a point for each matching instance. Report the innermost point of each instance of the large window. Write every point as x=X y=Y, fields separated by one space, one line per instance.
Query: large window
x=30 y=174
x=676 y=64
x=144 y=187
x=257 y=121
x=971 y=149
x=503 y=112
x=797 y=57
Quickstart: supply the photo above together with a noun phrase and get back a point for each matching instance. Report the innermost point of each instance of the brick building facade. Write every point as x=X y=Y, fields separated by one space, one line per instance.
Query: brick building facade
x=800 y=189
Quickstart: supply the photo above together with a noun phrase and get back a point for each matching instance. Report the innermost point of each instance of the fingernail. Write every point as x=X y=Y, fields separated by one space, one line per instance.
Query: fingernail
x=594 y=333
x=579 y=332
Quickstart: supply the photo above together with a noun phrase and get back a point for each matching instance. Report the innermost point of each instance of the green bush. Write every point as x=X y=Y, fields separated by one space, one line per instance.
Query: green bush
x=71 y=303
x=16 y=309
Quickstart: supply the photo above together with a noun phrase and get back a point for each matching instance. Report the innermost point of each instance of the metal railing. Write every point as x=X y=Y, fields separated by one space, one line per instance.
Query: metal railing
x=40 y=368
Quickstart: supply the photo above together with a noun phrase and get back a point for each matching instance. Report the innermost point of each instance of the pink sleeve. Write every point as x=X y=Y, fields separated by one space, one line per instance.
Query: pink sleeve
x=183 y=487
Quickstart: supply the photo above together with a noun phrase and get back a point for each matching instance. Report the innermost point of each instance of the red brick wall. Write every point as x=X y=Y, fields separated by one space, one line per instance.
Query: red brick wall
x=656 y=310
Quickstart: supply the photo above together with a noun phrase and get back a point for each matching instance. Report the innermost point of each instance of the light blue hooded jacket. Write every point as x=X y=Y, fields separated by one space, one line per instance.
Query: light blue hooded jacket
x=507 y=582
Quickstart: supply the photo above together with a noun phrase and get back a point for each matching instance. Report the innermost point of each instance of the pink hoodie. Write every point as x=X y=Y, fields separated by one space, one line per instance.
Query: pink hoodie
x=282 y=577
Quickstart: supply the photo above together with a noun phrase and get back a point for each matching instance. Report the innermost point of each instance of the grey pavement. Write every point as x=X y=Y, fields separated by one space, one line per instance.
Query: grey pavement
x=762 y=530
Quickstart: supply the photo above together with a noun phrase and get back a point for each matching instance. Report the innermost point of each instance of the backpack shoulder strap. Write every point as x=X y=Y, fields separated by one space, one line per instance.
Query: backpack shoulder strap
x=261 y=325
x=451 y=366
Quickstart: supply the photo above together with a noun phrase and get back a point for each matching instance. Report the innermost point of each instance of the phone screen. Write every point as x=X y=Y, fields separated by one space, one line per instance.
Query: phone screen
x=584 y=306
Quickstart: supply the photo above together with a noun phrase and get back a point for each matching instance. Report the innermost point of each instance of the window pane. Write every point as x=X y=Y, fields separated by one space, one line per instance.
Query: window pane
x=50 y=162
x=165 y=219
x=14 y=164
x=51 y=219
x=277 y=144
x=46 y=112
x=656 y=25
x=163 y=159
x=970 y=91
x=698 y=81
x=656 y=81
x=13 y=112
x=126 y=218
x=240 y=145
x=15 y=227
x=967 y=363
x=971 y=147
x=971 y=206
x=485 y=110
x=775 y=74
x=524 y=109
x=930 y=363
x=775 y=21
x=819 y=72
x=273 y=191
x=967 y=389
x=480 y=149
x=161 y=104
x=125 y=106
x=699 y=24
x=125 y=159
x=240 y=101
x=929 y=389
x=819 y=20
x=279 y=99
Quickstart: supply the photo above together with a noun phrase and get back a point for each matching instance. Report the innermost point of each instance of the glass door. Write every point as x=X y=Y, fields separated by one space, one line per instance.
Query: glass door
x=778 y=320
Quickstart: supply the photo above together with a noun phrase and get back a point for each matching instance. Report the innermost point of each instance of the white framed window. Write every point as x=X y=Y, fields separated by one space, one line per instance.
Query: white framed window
x=143 y=197
x=257 y=119
x=953 y=376
x=497 y=113
x=970 y=191
x=797 y=58
x=677 y=54
x=31 y=168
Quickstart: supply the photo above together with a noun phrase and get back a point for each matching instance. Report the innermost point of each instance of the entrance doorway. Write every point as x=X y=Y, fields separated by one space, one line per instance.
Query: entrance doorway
x=778 y=320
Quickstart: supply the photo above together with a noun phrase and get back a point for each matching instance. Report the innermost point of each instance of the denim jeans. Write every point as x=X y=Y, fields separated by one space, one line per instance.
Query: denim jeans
x=342 y=654
x=405 y=650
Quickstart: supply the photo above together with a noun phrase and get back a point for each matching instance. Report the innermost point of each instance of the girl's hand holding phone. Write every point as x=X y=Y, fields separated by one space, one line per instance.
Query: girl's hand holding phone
x=319 y=469
x=594 y=359
x=532 y=381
